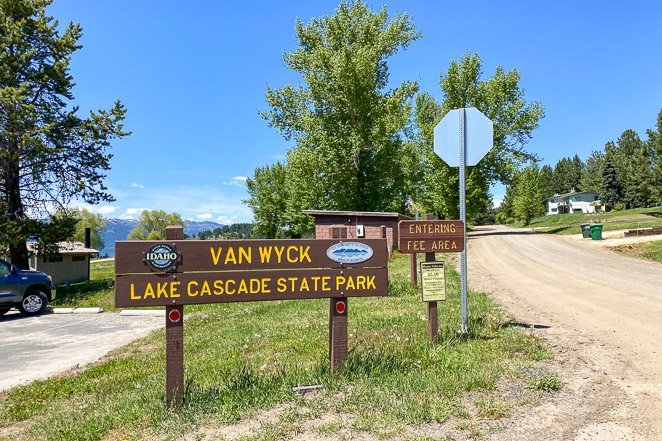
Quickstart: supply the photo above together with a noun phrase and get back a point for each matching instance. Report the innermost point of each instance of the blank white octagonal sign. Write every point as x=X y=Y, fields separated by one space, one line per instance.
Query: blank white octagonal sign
x=478 y=134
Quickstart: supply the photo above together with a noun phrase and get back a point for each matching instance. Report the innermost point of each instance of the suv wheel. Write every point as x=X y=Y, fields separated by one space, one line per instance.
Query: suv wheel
x=34 y=302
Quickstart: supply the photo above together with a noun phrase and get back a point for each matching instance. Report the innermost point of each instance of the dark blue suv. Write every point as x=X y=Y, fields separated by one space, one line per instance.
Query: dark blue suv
x=29 y=291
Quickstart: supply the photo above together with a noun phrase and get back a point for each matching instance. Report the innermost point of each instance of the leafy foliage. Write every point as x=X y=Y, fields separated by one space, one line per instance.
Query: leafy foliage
x=96 y=224
x=346 y=125
x=234 y=231
x=654 y=146
x=567 y=175
x=611 y=187
x=152 y=225
x=268 y=200
x=528 y=203
x=502 y=100
x=49 y=155
x=591 y=179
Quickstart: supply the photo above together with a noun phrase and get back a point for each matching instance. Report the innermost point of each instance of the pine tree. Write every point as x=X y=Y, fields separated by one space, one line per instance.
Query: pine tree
x=611 y=187
x=591 y=179
x=49 y=155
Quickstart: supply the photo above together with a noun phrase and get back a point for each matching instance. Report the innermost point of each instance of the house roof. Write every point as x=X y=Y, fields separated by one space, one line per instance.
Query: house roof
x=573 y=193
x=355 y=213
x=68 y=248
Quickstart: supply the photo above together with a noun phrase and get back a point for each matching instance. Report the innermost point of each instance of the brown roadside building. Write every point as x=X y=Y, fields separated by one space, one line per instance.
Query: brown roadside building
x=70 y=265
x=357 y=225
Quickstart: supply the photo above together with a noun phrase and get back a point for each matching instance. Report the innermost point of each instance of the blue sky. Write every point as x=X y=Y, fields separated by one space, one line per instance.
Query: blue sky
x=193 y=74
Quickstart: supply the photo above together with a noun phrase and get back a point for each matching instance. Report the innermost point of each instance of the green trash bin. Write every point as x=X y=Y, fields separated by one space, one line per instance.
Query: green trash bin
x=596 y=231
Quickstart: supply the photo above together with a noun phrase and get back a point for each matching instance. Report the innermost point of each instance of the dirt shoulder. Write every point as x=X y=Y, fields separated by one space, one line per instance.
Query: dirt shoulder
x=602 y=315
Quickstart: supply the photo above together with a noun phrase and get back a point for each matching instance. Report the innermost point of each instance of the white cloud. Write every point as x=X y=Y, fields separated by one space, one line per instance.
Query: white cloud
x=226 y=220
x=132 y=213
x=236 y=181
x=136 y=185
x=189 y=201
x=204 y=216
x=106 y=209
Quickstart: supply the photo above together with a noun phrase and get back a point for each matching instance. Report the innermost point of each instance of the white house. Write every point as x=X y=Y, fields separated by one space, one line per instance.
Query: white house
x=574 y=202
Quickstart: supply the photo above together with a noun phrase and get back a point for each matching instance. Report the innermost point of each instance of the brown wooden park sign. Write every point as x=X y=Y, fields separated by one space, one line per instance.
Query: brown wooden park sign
x=431 y=236
x=176 y=272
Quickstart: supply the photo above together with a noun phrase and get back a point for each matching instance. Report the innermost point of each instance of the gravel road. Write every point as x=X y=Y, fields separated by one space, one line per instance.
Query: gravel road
x=602 y=313
x=38 y=347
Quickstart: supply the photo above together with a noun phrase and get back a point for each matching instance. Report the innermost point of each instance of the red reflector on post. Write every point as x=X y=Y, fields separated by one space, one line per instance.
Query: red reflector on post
x=174 y=316
x=341 y=307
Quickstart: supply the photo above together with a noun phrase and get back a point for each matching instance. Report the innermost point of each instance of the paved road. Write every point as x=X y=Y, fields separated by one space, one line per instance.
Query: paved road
x=604 y=313
x=38 y=347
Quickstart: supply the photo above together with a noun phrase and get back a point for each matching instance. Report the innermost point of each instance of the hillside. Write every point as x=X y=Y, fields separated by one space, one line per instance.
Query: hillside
x=613 y=220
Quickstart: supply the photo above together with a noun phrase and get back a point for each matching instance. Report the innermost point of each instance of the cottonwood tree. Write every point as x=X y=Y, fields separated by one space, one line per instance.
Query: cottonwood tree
x=268 y=200
x=49 y=154
x=346 y=123
x=96 y=224
x=502 y=100
x=528 y=202
x=152 y=225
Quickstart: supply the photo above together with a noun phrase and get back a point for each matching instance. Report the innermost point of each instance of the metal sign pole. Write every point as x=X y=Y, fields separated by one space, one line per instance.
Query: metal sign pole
x=463 y=217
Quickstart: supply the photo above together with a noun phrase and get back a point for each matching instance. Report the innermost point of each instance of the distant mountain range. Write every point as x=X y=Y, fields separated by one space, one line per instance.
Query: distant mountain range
x=119 y=229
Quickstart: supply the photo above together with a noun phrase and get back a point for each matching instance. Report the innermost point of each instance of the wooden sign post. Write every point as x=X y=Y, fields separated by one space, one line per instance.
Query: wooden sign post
x=176 y=272
x=174 y=340
x=338 y=349
x=431 y=236
x=433 y=314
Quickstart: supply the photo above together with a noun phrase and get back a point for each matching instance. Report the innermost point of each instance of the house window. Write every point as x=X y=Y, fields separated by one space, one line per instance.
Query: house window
x=553 y=201
x=554 y=210
x=339 y=232
x=596 y=197
x=78 y=258
x=54 y=258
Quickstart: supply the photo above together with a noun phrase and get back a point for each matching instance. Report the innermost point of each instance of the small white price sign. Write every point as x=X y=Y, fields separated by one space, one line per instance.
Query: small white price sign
x=433 y=281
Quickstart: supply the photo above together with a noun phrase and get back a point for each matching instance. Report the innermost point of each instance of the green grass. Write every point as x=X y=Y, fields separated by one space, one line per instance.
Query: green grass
x=645 y=250
x=613 y=220
x=244 y=357
x=546 y=383
x=102 y=269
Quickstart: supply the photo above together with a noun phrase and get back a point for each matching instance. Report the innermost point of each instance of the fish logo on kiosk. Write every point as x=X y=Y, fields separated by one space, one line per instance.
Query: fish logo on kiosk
x=349 y=252
x=162 y=257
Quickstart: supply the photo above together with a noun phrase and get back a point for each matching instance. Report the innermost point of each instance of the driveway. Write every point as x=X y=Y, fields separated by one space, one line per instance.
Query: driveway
x=38 y=347
x=600 y=311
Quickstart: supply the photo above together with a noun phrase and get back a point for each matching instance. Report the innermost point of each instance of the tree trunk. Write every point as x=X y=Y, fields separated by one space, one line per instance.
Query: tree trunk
x=361 y=198
x=18 y=251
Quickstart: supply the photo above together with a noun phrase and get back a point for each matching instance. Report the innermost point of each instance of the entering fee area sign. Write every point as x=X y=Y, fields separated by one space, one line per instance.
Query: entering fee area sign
x=177 y=272
x=431 y=236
